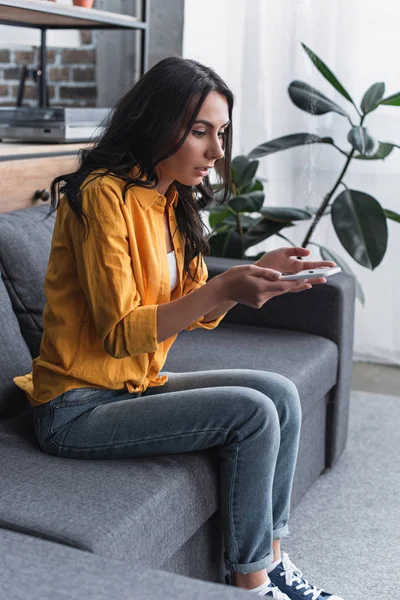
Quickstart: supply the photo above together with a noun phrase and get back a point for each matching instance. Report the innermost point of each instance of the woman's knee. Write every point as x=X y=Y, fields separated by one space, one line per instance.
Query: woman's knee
x=288 y=401
x=280 y=389
x=255 y=405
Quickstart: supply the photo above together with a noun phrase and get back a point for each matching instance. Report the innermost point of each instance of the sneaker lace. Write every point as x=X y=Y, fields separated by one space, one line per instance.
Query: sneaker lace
x=277 y=594
x=293 y=575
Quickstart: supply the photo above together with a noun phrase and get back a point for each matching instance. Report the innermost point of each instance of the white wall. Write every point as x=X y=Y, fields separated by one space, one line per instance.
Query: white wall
x=255 y=47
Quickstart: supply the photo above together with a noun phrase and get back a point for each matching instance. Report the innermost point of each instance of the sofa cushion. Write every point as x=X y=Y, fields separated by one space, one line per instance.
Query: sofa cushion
x=14 y=357
x=142 y=510
x=310 y=361
x=24 y=253
x=35 y=569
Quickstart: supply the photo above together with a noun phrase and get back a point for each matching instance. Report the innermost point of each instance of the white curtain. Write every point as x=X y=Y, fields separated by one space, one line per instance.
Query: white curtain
x=256 y=47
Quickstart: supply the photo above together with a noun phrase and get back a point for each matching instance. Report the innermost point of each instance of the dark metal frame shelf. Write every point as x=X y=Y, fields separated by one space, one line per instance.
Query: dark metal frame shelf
x=44 y=15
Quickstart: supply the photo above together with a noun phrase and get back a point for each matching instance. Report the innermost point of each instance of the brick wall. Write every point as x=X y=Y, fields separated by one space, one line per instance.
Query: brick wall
x=71 y=74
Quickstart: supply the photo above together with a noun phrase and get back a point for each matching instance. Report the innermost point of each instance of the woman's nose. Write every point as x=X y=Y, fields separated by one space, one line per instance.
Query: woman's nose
x=216 y=151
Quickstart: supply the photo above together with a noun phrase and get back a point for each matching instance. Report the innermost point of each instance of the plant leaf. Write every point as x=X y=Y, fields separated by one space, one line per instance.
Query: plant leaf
x=327 y=73
x=214 y=207
x=362 y=141
x=360 y=224
x=247 y=176
x=261 y=231
x=286 y=142
x=372 y=97
x=390 y=214
x=311 y=100
x=215 y=218
x=251 y=202
x=245 y=221
x=393 y=100
x=227 y=244
x=255 y=186
x=383 y=151
x=330 y=255
x=243 y=170
x=280 y=214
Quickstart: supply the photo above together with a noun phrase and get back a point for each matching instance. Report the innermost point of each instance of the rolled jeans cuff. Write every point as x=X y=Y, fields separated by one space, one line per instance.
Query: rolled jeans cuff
x=264 y=563
x=281 y=532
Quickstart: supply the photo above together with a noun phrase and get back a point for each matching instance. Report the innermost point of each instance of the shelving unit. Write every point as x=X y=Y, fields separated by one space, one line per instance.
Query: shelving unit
x=45 y=15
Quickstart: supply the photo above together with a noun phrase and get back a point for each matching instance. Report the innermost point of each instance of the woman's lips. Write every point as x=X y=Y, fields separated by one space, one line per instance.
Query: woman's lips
x=203 y=172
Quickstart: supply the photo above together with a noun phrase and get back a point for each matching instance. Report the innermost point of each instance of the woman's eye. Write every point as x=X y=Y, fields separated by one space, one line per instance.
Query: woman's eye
x=202 y=133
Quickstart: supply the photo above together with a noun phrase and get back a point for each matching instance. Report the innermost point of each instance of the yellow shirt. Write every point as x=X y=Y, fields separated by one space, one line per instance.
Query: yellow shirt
x=99 y=320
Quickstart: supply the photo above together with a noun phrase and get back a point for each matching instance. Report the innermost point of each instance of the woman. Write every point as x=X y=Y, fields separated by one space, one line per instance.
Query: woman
x=126 y=274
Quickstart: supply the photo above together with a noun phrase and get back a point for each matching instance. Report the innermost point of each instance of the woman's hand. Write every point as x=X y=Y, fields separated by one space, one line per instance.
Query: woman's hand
x=285 y=260
x=253 y=285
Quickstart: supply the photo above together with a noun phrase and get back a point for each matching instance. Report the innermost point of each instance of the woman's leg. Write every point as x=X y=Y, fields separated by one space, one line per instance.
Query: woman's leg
x=195 y=411
x=285 y=396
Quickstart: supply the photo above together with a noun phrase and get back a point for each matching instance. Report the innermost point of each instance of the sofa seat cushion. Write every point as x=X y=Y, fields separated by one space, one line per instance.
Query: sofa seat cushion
x=141 y=510
x=310 y=361
x=36 y=569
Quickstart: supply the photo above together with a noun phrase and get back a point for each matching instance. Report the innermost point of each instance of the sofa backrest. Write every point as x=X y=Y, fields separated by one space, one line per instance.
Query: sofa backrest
x=25 y=241
x=15 y=358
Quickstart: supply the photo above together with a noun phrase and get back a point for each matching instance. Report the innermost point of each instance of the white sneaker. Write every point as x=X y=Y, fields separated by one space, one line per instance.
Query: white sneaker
x=291 y=581
x=274 y=593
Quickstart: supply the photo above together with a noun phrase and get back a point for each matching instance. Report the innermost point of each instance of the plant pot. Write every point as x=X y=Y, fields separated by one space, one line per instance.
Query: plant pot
x=84 y=3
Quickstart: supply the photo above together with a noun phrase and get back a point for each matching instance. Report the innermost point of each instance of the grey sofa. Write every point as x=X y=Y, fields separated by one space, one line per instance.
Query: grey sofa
x=35 y=569
x=156 y=513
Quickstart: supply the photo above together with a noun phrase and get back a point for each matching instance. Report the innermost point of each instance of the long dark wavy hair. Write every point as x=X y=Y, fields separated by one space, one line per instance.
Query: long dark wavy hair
x=143 y=130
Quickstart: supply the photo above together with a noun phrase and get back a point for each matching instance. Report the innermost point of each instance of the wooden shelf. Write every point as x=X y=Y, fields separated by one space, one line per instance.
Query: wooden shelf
x=21 y=150
x=50 y=15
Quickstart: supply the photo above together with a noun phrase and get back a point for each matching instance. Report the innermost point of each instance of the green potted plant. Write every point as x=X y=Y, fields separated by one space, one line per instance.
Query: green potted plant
x=358 y=219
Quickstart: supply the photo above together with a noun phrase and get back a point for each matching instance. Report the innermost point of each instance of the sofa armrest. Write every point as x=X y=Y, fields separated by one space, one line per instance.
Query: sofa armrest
x=326 y=310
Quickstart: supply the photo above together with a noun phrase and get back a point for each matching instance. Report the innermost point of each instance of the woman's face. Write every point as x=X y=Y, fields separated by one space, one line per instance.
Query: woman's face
x=202 y=147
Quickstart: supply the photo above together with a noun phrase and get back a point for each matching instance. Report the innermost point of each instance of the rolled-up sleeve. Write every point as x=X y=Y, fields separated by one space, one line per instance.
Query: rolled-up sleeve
x=190 y=286
x=106 y=275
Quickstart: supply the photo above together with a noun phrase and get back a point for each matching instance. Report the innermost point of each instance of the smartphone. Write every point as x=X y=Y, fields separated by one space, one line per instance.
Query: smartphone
x=320 y=272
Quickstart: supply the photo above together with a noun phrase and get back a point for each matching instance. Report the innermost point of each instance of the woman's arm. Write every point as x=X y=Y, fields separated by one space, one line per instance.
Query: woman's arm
x=211 y=317
x=173 y=317
x=218 y=311
x=125 y=326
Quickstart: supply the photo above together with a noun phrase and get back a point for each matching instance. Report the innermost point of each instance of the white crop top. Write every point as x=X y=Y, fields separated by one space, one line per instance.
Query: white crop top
x=173 y=269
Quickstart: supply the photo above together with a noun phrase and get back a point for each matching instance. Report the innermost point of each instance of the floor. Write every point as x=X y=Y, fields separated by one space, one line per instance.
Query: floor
x=379 y=379
x=344 y=533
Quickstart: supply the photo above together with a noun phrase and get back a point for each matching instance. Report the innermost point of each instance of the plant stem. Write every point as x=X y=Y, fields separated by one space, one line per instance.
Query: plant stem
x=325 y=203
x=239 y=225
x=327 y=198
x=240 y=231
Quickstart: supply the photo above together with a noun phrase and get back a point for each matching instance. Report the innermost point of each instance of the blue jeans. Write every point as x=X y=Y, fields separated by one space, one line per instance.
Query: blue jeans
x=252 y=417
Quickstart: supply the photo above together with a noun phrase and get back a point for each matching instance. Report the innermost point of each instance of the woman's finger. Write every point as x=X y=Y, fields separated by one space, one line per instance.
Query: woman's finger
x=306 y=284
x=307 y=265
x=297 y=251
